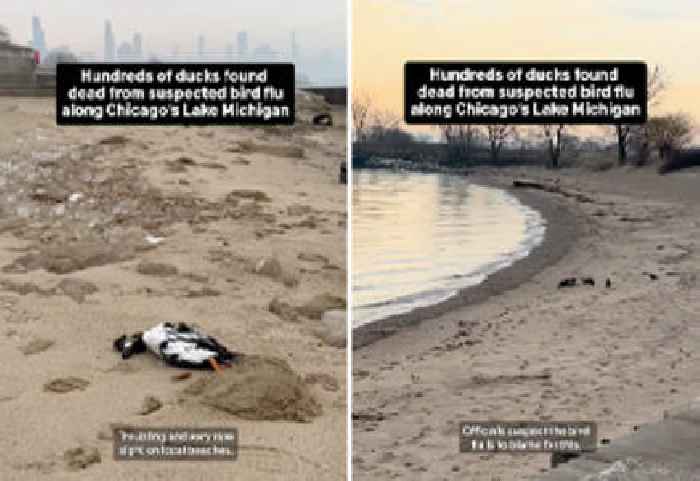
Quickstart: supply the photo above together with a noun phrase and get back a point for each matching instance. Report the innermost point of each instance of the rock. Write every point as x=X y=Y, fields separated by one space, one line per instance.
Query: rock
x=66 y=384
x=283 y=310
x=332 y=329
x=269 y=267
x=36 y=346
x=156 y=269
x=81 y=457
x=76 y=289
x=150 y=405
x=321 y=303
x=327 y=382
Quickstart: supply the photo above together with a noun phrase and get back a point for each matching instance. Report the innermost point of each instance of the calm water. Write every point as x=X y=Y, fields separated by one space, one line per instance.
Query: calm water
x=418 y=238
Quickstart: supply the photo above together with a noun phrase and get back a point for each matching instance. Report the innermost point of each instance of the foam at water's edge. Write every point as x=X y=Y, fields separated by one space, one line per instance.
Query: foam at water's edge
x=535 y=231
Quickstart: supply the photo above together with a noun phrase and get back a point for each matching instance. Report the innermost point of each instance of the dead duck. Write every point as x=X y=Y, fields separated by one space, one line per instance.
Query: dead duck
x=567 y=282
x=324 y=120
x=179 y=346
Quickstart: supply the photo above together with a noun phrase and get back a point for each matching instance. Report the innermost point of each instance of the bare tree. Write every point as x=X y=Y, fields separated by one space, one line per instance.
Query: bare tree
x=554 y=136
x=670 y=133
x=361 y=109
x=459 y=139
x=384 y=119
x=497 y=135
x=655 y=85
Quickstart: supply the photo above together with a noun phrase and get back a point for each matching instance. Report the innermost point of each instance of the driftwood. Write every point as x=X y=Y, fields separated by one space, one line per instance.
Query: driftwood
x=553 y=188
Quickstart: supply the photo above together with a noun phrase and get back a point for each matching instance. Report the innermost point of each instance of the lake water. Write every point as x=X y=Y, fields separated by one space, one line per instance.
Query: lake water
x=419 y=238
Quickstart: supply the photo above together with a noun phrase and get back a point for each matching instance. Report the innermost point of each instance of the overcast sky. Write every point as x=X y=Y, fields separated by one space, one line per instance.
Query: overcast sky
x=320 y=25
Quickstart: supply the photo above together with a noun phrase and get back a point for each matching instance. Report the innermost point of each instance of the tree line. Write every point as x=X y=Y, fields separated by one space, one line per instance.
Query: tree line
x=662 y=137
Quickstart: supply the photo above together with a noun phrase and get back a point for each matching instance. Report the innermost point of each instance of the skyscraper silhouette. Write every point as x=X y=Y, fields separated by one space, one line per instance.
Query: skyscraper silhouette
x=137 y=47
x=38 y=37
x=242 y=45
x=200 y=47
x=295 y=48
x=109 y=42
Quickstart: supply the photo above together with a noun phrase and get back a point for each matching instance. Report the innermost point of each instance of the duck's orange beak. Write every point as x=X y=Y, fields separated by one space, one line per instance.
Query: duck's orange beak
x=215 y=365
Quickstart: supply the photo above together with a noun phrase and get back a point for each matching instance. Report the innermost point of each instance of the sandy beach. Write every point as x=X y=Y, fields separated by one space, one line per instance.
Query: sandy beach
x=519 y=348
x=109 y=231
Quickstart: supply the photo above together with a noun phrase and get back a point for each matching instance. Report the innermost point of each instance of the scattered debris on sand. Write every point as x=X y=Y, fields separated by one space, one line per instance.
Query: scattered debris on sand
x=66 y=384
x=156 y=269
x=81 y=457
x=203 y=292
x=311 y=257
x=554 y=188
x=258 y=388
x=114 y=140
x=150 y=405
x=249 y=194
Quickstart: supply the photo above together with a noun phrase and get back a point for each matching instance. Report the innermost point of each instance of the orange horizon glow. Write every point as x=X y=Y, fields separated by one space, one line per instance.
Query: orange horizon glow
x=387 y=33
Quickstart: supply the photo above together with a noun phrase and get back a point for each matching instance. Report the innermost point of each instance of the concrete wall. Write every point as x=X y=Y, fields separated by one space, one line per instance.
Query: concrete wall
x=16 y=66
x=333 y=95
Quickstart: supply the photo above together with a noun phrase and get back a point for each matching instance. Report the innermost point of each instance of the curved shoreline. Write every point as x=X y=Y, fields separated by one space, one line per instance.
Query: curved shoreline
x=562 y=230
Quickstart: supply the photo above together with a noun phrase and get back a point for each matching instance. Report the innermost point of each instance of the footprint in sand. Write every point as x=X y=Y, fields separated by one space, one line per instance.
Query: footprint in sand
x=150 y=405
x=81 y=457
x=35 y=346
x=66 y=384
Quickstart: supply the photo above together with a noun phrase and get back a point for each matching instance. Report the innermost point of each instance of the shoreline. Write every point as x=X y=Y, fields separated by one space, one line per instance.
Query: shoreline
x=562 y=230
x=617 y=355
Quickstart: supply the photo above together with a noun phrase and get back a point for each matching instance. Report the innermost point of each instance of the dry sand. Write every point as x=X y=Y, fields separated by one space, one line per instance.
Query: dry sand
x=107 y=231
x=527 y=350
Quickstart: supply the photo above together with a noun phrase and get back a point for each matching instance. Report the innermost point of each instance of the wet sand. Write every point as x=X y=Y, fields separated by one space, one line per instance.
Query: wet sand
x=528 y=350
x=109 y=231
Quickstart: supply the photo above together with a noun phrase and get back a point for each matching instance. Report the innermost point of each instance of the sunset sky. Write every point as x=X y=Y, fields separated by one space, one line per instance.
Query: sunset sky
x=386 y=33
